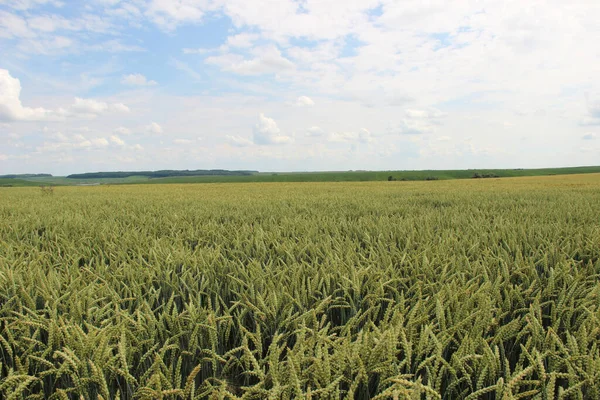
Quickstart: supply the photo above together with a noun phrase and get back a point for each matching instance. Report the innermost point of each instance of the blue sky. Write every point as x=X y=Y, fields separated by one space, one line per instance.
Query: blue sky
x=281 y=85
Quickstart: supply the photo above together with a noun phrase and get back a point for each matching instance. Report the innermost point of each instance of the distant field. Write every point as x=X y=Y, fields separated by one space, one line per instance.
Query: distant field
x=468 y=289
x=9 y=182
x=341 y=176
x=365 y=176
x=63 y=181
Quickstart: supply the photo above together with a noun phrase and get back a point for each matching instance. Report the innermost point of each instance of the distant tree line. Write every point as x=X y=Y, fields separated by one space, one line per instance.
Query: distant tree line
x=477 y=175
x=159 y=174
x=20 y=176
x=427 y=178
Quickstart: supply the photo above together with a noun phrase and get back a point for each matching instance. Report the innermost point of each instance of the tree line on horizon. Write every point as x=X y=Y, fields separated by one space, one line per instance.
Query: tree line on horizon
x=160 y=174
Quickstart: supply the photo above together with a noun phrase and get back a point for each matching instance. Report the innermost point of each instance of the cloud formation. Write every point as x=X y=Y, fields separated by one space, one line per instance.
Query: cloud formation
x=154 y=128
x=315 y=131
x=416 y=122
x=263 y=60
x=266 y=132
x=11 y=108
x=238 y=141
x=390 y=80
x=304 y=101
x=137 y=80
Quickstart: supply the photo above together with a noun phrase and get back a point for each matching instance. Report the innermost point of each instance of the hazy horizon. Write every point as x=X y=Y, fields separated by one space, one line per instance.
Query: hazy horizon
x=291 y=86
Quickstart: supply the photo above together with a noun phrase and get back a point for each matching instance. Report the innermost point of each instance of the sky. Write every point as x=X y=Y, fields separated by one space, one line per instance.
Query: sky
x=298 y=85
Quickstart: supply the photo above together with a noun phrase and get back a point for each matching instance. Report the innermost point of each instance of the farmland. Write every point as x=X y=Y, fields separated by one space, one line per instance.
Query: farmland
x=162 y=177
x=462 y=289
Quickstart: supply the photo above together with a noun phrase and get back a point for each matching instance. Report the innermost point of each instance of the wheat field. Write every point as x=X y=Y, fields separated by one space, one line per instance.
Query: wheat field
x=475 y=289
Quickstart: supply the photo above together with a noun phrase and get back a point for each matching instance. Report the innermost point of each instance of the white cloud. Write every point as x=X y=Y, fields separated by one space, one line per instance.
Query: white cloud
x=315 y=131
x=99 y=142
x=267 y=132
x=64 y=143
x=593 y=117
x=483 y=62
x=416 y=122
x=181 y=66
x=60 y=136
x=89 y=106
x=594 y=109
x=588 y=121
x=27 y=4
x=265 y=60
x=11 y=108
x=304 y=101
x=242 y=40
x=114 y=46
x=122 y=131
x=590 y=136
x=117 y=140
x=137 y=80
x=92 y=107
x=118 y=107
x=183 y=141
x=13 y=26
x=154 y=127
x=199 y=50
x=48 y=23
x=342 y=137
x=362 y=136
x=238 y=141
x=168 y=14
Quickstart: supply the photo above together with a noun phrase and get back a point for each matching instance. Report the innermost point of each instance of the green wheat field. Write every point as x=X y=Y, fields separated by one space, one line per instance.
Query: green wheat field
x=463 y=289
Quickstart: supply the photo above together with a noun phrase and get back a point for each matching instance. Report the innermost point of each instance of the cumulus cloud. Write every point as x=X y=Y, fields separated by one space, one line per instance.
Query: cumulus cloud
x=11 y=108
x=242 y=40
x=183 y=141
x=416 y=122
x=27 y=4
x=199 y=50
x=361 y=136
x=593 y=117
x=117 y=140
x=364 y=136
x=154 y=127
x=265 y=60
x=315 y=131
x=90 y=108
x=238 y=141
x=337 y=137
x=99 y=142
x=121 y=130
x=594 y=110
x=74 y=142
x=267 y=132
x=118 y=107
x=114 y=46
x=137 y=80
x=303 y=101
x=168 y=14
x=365 y=67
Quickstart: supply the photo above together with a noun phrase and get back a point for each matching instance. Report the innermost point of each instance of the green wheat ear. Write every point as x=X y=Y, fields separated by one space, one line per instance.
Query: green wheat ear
x=456 y=290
